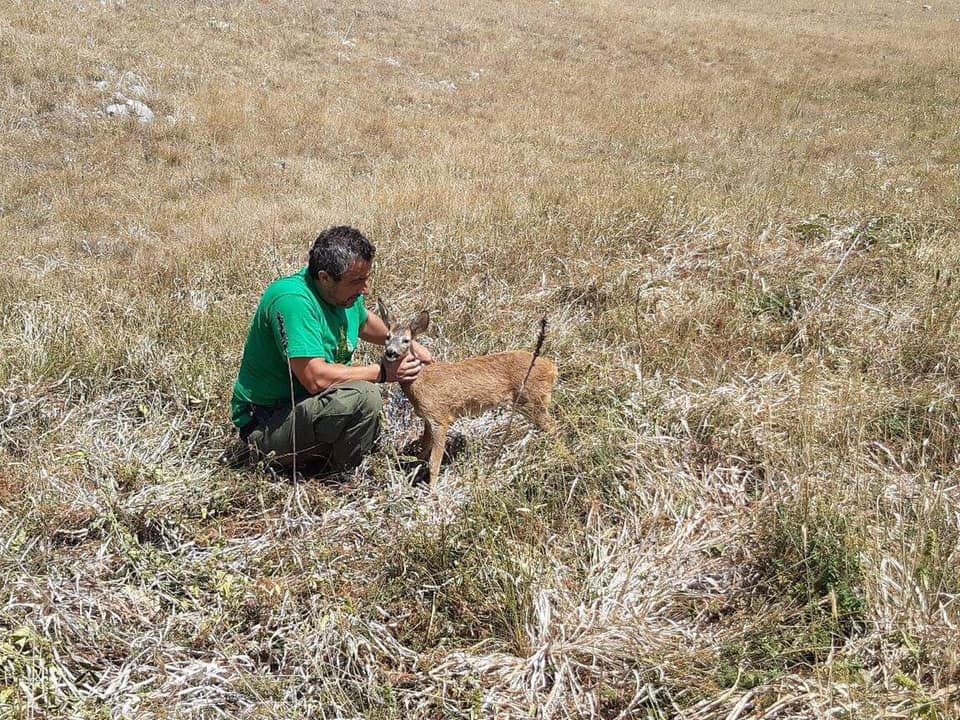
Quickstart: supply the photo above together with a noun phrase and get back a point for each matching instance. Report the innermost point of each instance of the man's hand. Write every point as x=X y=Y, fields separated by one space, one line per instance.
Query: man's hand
x=403 y=370
x=421 y=353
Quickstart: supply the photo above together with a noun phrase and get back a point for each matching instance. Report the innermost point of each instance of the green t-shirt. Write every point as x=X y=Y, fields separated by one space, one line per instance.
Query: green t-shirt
x=314 y=329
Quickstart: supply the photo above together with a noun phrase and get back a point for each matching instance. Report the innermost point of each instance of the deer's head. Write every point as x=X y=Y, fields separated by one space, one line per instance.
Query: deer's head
x=401 y=334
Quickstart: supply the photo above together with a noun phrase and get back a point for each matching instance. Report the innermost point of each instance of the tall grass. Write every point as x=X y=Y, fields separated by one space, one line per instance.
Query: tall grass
x=740 y=219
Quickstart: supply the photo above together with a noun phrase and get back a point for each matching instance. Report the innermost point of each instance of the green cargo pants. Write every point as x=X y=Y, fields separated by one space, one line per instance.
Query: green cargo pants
x=339 y=426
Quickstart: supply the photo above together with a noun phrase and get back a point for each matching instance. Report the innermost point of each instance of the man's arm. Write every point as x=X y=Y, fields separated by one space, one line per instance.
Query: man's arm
x=316 y=374
x=375 y=331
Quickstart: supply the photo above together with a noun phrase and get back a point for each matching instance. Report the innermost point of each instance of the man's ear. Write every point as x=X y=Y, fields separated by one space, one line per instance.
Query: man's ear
x=382 y=312
x=420 y=323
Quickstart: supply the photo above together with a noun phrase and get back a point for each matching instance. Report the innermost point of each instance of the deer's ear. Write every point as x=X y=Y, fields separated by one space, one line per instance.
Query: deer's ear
x=382 y=312
x=420 y=323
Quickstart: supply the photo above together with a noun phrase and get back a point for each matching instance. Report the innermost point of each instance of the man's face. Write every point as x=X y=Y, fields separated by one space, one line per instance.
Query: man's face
x=345 y=291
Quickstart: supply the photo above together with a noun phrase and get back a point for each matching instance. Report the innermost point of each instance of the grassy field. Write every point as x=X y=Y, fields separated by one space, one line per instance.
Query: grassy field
x=741 y=219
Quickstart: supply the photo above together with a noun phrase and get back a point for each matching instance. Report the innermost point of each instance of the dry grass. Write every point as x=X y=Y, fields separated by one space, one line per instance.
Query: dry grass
x=741 y=219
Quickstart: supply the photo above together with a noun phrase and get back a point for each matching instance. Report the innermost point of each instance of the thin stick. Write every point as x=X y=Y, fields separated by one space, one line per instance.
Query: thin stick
x=293 y=400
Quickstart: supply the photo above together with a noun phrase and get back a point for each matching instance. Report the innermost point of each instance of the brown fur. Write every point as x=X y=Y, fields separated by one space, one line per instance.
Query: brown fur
x=444 y=392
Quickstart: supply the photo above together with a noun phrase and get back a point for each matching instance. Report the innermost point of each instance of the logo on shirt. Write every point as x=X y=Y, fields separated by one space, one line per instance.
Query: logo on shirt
x=344 y=348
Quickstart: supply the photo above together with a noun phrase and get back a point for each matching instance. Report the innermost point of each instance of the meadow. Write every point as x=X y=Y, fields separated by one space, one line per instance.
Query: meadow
x=740 y=219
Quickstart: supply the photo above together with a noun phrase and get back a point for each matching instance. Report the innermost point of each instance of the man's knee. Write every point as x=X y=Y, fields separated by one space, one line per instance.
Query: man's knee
x=351 y=405
x=357 y=407
x=362 y=398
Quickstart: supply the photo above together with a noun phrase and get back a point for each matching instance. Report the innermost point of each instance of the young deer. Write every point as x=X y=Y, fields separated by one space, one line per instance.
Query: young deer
x=444 y=392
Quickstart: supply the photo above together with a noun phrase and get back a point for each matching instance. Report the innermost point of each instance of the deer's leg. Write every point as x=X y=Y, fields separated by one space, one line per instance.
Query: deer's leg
x=543 y=420
x=426 y=441
x=537 y=411
x=436 y=451
x=540 y=416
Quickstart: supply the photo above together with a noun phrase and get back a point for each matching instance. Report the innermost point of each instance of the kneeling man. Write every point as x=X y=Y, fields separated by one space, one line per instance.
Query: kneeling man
x=315 y=318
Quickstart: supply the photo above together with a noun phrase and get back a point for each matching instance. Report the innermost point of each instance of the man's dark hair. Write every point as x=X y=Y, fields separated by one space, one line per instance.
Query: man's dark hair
x=336 y=249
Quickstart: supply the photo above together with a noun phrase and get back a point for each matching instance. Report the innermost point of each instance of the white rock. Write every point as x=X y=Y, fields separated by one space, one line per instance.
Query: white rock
x=220 y=25
x=116 y=110
x=144 y=114
x=125 y=107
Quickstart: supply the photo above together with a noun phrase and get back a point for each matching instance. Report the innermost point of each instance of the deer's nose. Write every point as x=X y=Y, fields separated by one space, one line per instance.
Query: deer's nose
x=391 y=354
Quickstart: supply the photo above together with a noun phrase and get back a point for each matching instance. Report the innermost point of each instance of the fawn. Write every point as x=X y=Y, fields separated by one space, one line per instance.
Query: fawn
x=444 y=392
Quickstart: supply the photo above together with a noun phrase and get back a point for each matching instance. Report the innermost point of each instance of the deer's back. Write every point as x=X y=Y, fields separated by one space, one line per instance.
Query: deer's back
x=477 y=384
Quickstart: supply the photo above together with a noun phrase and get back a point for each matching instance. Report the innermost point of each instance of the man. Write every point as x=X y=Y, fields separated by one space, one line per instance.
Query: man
x=314 y=318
